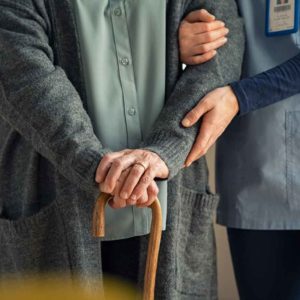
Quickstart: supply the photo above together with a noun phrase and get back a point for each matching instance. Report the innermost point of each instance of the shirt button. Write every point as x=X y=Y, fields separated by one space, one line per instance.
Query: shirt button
x=118 y=12
x=124 y=61
x=131 y=111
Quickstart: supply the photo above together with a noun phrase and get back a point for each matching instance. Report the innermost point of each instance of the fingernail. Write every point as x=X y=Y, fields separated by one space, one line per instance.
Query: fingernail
x=186 y=122
x=133 y=197
x=188 y=164
x=227 y=30
x=225 y=40
x=124 y=195
x=222 y=24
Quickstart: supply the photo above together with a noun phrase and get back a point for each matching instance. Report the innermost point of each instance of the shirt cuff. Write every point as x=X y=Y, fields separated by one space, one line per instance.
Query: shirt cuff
x=241 y=97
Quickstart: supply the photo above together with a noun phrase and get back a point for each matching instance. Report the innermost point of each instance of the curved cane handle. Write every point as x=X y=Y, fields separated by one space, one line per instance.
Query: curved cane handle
x=154 y=240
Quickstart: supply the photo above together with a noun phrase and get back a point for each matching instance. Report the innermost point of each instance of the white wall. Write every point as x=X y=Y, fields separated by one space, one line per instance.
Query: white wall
x=227 y=286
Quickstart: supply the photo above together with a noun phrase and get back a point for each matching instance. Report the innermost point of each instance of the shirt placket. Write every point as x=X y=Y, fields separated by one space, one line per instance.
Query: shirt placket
x=126 y=72
x=141 y=218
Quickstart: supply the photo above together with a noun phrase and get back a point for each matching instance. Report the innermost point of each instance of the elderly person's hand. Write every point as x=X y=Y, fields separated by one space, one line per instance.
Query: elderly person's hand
x=200 y=35
x=129 y=175
x=216 y=110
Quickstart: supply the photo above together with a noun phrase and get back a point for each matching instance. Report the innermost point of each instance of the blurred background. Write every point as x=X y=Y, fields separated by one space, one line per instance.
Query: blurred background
x=227 y=286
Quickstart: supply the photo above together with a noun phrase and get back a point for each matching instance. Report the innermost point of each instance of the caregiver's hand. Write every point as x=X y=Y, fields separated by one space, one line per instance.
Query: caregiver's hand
x=200 y=35
x=217 y=109
x=129 y=174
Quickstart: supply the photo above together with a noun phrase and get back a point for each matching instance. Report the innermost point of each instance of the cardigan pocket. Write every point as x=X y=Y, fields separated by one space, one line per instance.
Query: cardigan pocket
x=196 y=274
x=34 y=244
x=293 y=158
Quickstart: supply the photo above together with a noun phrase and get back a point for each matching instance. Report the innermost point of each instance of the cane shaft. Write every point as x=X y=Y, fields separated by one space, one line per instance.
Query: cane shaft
x=154 y=240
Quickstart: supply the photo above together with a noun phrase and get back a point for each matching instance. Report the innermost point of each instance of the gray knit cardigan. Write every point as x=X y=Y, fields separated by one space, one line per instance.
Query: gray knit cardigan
x=49 y=152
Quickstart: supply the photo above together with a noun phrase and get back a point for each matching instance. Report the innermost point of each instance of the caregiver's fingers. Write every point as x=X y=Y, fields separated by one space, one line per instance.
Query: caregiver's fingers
x=200 y=59
x=210 y=143
x=200 y=147
x=105 y=164
x=194 y=115
x=190 y=30
x=200 y=48
x=200 y=15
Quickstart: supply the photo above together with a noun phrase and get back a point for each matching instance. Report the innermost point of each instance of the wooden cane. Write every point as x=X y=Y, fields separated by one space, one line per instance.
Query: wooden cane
x=154 y=241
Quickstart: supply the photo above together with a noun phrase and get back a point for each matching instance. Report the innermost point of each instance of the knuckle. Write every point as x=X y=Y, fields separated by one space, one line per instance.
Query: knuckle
x=106 y=158
x=205 y=48
x=117 y=163
x=209 y=37
x=205 y=26
x=199 y=14
x=146 y=179
x=193 y=115
x=147 y=155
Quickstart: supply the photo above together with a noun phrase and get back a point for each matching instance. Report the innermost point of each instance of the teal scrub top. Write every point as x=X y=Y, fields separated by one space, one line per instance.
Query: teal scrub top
x=258 y=157
x=123 y=45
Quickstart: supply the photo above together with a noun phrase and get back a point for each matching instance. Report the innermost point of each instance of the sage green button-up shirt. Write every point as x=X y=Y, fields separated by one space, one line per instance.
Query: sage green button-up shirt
x=123 y=49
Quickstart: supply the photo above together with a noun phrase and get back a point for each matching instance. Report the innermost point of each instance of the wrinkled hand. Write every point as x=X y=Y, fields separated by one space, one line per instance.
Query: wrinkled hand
x=200 y=35
x=217 y=109
x=129 y=175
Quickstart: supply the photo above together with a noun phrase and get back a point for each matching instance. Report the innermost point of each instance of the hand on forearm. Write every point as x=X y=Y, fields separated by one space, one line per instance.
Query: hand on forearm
x=129 y=175
x=217 y=109
x=200 y=35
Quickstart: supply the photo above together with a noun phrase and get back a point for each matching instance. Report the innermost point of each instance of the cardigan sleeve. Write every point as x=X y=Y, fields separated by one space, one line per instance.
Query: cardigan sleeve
x=38 y=100
x=168 y=138
x=268 y=87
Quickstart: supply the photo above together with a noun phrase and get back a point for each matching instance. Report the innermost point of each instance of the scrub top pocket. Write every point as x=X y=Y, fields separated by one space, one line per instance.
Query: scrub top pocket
x=293 y=158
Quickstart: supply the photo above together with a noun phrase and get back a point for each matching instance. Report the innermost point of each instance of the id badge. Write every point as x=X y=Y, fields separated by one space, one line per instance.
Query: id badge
x=282 y=17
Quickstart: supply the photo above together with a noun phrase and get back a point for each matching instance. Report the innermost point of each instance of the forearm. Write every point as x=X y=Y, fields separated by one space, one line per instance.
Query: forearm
x=38 y=100
x=268 y=87
x=169 y=139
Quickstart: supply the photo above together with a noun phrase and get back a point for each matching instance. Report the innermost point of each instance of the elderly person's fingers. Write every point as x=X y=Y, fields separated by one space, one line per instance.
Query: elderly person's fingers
x=143 y=184
x=139 y=180
x=132 y=180
x=146 y=165
x=217 y=109
x=117 y=166
x=117 y=201
x=105 y=164
x=152 y=195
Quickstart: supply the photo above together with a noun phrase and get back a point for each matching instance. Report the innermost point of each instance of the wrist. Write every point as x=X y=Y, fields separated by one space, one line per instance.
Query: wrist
x=232 y=98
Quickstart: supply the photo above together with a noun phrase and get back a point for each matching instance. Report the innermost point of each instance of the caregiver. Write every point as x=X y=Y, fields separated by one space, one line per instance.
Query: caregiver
x=258 y=174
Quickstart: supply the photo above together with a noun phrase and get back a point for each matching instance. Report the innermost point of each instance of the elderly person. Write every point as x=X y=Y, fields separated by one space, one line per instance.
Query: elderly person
x=92 y=92
x=258 y=155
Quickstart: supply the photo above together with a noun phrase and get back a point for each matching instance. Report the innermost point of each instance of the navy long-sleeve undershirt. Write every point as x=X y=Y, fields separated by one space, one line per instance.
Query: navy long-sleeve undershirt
x=268 y=87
